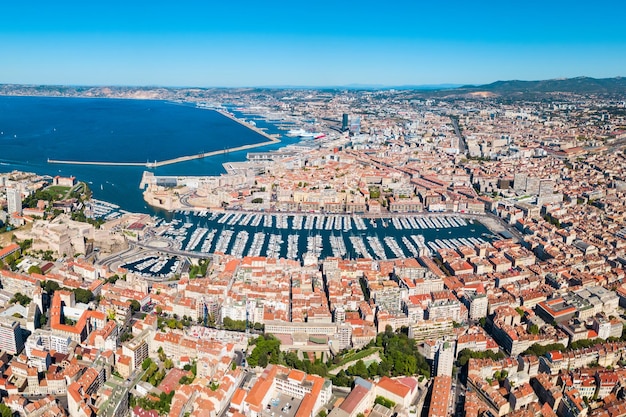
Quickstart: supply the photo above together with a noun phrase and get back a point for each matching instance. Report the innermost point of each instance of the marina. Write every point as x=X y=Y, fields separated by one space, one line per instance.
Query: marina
x=292 y=236
x=154 y=266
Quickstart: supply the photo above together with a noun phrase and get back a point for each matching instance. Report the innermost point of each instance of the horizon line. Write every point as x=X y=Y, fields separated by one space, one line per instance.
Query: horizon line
x=351 y=86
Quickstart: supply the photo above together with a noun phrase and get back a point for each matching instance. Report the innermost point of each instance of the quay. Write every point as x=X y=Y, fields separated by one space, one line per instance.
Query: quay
x=272 y=139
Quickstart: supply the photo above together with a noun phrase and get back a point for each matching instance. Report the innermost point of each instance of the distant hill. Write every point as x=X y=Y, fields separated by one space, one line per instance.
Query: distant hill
x=505 y=90
x=578 y=85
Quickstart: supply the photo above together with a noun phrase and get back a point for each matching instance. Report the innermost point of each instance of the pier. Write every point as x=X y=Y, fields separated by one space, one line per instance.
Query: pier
x=272 y=139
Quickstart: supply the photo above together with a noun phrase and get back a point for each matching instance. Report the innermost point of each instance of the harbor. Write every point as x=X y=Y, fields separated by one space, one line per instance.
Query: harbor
x=316 y=236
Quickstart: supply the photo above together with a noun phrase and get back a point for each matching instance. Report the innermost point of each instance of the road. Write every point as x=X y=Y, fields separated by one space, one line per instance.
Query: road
x=458 y=395
x=462 y=144
x=176 y=252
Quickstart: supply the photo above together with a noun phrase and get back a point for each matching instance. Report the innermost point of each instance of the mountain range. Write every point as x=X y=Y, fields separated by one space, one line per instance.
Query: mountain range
x=513 y=89
x=578 y=85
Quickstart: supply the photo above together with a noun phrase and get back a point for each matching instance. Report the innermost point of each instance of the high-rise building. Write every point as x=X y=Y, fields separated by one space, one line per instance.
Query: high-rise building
x=546 y=188
x=14 y=201
x=444 y=358
x=11 y=340
x=136 y=350
x=355 y=126
x=345 y=120
x=519 y=181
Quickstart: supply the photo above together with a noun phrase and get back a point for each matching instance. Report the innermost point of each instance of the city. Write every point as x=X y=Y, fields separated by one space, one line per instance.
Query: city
x=404 y=253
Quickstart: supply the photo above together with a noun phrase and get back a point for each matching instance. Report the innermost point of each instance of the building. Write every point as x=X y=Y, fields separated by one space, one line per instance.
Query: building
x=64 y=181
x=477 y=303
x=14 y=201
x=11 y=339
x=42 y=339
x=136 y=349
x=440 y=399
x=9 y=250
x=444 y=358
x=401 y=391
x=312 y=390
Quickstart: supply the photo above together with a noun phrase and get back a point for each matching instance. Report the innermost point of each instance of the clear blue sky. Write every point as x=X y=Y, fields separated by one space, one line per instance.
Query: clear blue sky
x=314 y=43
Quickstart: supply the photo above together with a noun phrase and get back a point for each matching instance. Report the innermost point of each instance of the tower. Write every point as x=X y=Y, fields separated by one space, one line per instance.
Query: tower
x=14 y=201
x=345 y=122
x=355 y=126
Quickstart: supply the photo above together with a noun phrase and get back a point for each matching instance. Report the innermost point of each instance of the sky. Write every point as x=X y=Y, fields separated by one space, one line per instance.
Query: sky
x=308 y=43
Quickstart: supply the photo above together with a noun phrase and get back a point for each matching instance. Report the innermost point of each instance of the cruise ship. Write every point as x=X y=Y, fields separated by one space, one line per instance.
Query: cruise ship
x=301 y=133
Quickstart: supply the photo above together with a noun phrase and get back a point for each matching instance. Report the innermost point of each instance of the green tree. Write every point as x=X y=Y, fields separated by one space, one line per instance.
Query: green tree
x=373 y=370
x=35 y=269
x=168 y=364
x=266 y=350
x=234 y=325
x=134 y=305
x=342 y=379
x=82 y=295
x=5 y=411
x=50 y=286
x=385 y=402
x=162 y=355
x=466 y=354
x=359 y=369
x=146 y=363
x=20 y=298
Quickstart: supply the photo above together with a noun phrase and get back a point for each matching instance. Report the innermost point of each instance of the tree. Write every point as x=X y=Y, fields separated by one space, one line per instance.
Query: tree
x=5 y=411
x=266 y=350
x=135 y=306
x=466 y=354
x=35 y=269
x=146 y=363
x=162 y=355
x=341 y=379
x=24 y=300
x=533 y=329
x=50 y=286
x=359 y=369
x=83 y=296
x=384 y=402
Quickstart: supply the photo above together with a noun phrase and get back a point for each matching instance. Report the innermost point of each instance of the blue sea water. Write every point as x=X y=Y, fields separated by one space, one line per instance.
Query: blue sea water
x=33 y=129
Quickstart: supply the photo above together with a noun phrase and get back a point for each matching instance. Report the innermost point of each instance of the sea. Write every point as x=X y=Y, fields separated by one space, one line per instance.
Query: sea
x=35 y=129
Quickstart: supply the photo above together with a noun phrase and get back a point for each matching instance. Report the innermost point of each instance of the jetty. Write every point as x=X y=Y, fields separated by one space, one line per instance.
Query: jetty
x=272 y=139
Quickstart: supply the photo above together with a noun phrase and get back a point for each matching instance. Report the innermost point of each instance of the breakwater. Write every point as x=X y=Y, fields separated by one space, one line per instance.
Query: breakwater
x=272 y=139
